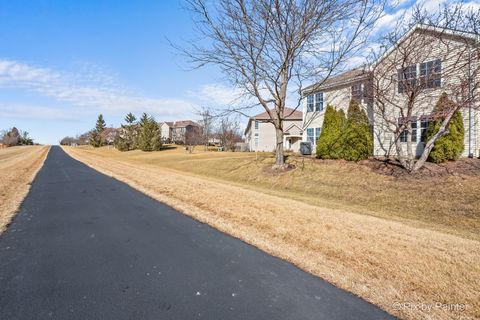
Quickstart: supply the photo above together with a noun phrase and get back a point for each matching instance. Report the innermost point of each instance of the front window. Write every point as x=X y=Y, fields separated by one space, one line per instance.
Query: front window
x=311 y=135
x=431 y=74
x=424 y=122
x=310 y=103
x=256 y=125
x=319 y=101
x=403 y=135
x=256 y=139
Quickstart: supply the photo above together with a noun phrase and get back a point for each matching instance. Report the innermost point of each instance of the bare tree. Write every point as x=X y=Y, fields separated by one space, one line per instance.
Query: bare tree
x=229 y=133
x=265 y=47
x=193 y=137
x=207 y=123
x=410 y=76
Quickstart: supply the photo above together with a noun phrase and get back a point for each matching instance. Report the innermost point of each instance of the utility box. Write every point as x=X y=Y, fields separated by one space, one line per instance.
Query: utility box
x=306 y=148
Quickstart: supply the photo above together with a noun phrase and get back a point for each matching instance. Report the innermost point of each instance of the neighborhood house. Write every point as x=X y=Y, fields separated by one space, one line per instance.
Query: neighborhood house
x=435 y=67
x=260 y=132
x=179 y=132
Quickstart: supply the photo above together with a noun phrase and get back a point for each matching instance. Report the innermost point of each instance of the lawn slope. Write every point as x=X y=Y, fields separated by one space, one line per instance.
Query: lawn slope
x=388 y=260
x=18 y=167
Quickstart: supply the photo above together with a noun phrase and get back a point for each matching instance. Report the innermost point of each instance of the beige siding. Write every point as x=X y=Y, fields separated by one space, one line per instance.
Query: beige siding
x=338 y=98
x=165 y=131
x=266 y=136
x=454 y=67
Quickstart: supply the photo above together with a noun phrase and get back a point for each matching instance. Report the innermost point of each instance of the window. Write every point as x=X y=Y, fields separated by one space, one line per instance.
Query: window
x=424 y=122
x=431 y=74
x=315 y=102
x=310 y=135
x=256 y=125
x=403 y=135
x=319 y=101
x=357 y=92
x=310 y=103
x=256 y=139
x=313 y=134
x=407 y=78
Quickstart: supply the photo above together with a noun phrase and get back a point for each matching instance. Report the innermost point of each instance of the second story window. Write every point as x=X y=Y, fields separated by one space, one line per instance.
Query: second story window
x=256 y=125
x=407 y=78
x=310 y=103
x=319 y=101
x=357 y=92
x=431 y=74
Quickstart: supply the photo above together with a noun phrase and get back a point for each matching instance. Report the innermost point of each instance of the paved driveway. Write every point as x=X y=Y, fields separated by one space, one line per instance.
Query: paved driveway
x=85 y=246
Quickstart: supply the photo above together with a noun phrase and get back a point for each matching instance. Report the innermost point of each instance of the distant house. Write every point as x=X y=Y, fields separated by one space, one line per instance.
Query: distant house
x=166 y=131
x=179 y=131
x=260 y=132
x=110 y=135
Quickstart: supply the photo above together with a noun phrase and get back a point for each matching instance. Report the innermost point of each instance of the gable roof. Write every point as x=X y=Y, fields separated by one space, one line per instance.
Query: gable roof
x=293 y=129
x=168 y=123
x=359 y=74
x=339 y=80
x=184 y=123
x=429 y=28
x=288 y=113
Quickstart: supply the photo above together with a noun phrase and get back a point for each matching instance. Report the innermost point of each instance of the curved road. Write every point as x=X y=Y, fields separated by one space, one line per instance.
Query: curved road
x=86 y=246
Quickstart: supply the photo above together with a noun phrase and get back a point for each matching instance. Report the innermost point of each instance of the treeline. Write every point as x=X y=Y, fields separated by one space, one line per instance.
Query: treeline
x=143 y=134
x=15 y=137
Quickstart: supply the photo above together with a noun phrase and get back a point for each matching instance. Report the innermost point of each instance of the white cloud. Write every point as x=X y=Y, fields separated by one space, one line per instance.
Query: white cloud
x=90 y=89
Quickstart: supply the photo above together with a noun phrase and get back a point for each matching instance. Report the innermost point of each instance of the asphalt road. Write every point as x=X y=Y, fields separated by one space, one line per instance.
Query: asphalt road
x=86 y=246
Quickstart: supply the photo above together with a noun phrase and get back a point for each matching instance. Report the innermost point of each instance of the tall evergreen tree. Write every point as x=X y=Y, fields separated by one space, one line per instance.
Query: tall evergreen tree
x=449 y=146
x=358 y=140
x=330 y=143
x=97 y=138
x=126 y=140
x=149 y=138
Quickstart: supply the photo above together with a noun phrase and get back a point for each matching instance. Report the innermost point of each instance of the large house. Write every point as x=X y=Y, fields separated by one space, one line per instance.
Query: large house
x=431 y=59
x=179 y=131
x=260 y=132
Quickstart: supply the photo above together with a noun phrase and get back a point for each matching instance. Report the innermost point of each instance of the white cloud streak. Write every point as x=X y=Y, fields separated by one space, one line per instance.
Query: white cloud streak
x=90 y=90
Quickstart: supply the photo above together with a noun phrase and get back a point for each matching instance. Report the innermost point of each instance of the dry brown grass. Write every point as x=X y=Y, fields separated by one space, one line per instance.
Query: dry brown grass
x=386 y=259
x=18 y=167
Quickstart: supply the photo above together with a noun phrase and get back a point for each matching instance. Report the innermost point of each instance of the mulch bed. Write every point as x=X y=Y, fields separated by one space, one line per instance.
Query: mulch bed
x=461 y=167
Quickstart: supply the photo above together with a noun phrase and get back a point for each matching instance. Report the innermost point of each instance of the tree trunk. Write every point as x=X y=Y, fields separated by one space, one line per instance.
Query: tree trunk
x=279 y=157
x=431 y=143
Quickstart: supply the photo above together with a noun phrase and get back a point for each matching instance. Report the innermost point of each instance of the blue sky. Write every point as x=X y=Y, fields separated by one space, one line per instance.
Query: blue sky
x=64 y=62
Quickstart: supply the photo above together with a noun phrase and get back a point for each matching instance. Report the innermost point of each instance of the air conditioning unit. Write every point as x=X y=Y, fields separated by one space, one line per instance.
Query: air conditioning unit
x=306 y=148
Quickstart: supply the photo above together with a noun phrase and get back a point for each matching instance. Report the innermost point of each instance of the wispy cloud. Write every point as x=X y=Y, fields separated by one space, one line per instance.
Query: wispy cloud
x=220 y=96
x=24 y=111
x=89 y=89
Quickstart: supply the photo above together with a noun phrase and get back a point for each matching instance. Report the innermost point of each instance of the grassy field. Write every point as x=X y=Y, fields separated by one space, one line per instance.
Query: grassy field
x=18 y=167
x=401 y=243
